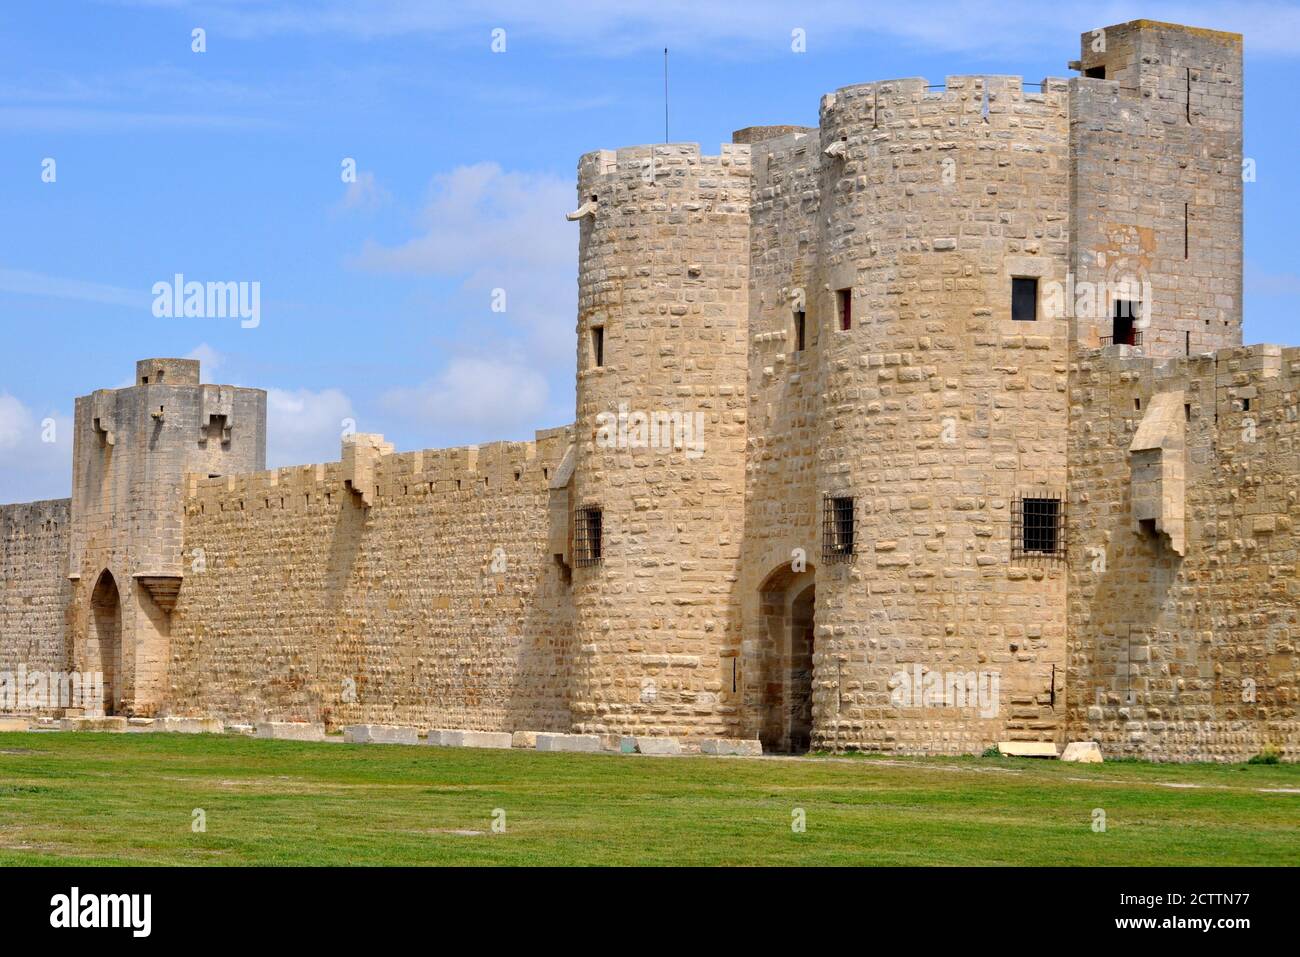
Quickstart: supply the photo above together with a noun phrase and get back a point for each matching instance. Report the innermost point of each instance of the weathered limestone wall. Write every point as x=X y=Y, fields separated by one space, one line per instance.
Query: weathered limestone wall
x=1191 y=656
x=1156 y=181
x=938 y=408
x=438 y=605
x=34 y=587
x=663 y=268
x=782 y=532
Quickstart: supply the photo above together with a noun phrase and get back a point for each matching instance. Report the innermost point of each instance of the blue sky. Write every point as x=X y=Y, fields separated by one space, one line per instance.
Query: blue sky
x=376 y=296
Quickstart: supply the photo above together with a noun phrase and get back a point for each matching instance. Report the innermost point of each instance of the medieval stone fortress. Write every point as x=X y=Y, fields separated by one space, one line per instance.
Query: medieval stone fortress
x=926 y=428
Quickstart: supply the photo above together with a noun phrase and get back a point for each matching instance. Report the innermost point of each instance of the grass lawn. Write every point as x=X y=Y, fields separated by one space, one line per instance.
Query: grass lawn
x=85 y=798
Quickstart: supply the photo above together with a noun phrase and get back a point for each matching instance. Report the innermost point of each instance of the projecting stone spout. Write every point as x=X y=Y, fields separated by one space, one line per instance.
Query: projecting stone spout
x=1157 y=466
x=586 y=209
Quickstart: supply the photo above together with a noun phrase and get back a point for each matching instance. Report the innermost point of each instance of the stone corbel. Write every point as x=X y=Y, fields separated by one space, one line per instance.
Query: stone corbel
x=1157 y=463
x=103 y=415
x=217 y=403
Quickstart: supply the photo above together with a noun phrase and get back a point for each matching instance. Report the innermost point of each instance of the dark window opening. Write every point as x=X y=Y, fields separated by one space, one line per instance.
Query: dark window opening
x=1037 y=528
x=1187 y=412
x=1137 y=404
x=1024 y=299
x=587 y=529
x=144 y=380
x=799 y=327
x=1095 y=72
x=1245 y=405
x=598 y=345
x=837 y=529
x=1123 y=329
x=844 y=308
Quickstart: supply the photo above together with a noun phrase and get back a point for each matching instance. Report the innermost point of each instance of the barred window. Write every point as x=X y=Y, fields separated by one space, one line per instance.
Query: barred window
x=1037 y=527
x=837 y=529
x=586 y=536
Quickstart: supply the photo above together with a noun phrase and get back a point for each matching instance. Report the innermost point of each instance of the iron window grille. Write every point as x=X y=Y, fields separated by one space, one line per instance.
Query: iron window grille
x=587 y=528
x=1038 y=526
x=837 y=529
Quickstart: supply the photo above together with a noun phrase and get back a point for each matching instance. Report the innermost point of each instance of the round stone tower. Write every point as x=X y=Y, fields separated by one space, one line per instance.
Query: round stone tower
x=944 y=212
x=658 y=482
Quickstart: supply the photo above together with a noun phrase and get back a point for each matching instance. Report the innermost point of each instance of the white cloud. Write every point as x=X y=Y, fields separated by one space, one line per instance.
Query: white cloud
x=495 y=229
x=304 y=427
x=482 y=214
x=35 y=453
x=491 y=397
x=364 y=193
x=210 y=360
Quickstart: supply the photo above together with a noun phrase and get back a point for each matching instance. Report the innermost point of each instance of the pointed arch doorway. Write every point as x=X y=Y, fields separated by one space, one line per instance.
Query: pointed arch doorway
x=104 y=637
x=788 y=602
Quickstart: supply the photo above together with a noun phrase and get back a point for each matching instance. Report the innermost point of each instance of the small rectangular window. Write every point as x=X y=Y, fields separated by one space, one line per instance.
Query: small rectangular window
x=837 y=529
x=587 y=529
x=598 y=346
x=844 y=308
x=799 y=331
x=1024 y=299
x=1095 y=72
x=1037 y=527
x=1124 y=330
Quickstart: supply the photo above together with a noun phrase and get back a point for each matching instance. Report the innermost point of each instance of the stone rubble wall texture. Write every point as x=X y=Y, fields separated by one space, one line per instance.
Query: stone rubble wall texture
x=35 y=594
x=1192 y=657
x=371 y=590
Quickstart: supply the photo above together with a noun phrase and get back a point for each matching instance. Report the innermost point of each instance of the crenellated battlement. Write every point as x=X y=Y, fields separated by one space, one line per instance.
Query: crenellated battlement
x=482 y=470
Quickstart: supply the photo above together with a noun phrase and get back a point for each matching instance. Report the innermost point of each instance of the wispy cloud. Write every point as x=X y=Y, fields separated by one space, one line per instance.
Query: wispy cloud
x=503 y=235
x=742 y=27
x=74 y=120
x=493 y=397
x=57 y=287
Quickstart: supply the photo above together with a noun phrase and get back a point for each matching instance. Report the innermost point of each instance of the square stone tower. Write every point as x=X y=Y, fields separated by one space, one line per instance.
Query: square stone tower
x=1155 y=179
x=132 y=448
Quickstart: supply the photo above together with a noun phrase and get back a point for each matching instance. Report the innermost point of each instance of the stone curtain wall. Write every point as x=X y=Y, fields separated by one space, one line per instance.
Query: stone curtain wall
x=306 y=605
x=663 y=268
x=938 y=408
x=1194 y=656
x=34 y=587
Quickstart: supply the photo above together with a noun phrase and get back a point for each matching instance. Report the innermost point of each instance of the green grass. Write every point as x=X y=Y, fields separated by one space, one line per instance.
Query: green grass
x=84 y=798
